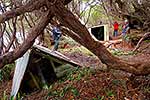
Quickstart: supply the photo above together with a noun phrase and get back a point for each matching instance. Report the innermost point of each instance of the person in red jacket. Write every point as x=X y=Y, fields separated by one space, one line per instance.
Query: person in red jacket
x=116 y=26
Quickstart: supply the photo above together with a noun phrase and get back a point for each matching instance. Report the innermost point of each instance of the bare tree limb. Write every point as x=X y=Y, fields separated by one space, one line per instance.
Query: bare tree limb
x=140 y=41
x=13 y=36
x=33 y=34
x=30 y=6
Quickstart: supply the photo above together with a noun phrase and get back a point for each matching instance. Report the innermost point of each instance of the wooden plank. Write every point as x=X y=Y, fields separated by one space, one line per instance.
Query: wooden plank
x=50 y=57
x=55 y=55
x=21 y=65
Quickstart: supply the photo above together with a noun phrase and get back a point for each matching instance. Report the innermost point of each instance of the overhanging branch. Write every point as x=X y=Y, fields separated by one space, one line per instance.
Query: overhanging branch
x=29 y=7
x=33 y=34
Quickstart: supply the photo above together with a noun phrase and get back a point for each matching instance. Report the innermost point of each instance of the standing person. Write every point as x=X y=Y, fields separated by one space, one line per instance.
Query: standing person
x=125 y=27
x=56 y=36
x=124 y=32
x=116 y=26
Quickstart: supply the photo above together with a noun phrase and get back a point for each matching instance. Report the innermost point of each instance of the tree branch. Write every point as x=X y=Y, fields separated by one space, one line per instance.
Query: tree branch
x=29 y=7
x=140 y=41
x=33 y=34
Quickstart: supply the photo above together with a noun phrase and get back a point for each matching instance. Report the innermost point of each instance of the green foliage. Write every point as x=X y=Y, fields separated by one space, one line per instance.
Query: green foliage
x=121 y=83
x=67 y=40
x=5 y=72
x=76 y=74
x=75 y=92
x=79 y=49
x=85 y=1
x=120 y=52
x=6 y=97
x=116 y=82
x=83 y=50
x=127 y=38
x=19 y=97
x=97 y=13
x=61 y=92
x=93 y=15
x=45 y=86
x=99 y=98
x=147 y=41
x=147 y=90
x=110 y=93
x=73 y=47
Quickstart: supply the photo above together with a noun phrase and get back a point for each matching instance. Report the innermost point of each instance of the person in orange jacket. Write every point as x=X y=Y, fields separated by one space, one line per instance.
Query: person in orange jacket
x=116 y=26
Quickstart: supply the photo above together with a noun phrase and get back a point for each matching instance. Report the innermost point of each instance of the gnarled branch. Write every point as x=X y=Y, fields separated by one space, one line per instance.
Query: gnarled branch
x=33 y=34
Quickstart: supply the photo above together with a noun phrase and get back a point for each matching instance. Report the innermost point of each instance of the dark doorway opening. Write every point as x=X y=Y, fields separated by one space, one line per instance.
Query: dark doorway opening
x=39 y=73
x=98 y=32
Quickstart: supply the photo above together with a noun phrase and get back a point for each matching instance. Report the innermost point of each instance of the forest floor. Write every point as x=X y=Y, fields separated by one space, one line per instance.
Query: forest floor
x=92 y=84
